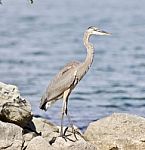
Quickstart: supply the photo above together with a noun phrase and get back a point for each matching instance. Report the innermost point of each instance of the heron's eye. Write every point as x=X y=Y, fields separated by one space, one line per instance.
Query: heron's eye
x=91 y=27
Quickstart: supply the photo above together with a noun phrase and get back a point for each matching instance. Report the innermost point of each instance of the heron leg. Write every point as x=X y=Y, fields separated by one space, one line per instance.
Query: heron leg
x=65 y=112
x=69 y=120
x=64 y=109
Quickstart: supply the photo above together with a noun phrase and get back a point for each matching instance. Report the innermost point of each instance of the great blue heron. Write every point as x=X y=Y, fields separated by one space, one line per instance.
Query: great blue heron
x=69 y=76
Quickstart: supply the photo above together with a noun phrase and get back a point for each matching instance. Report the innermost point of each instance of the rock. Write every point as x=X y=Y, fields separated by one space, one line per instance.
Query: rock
x=68 y=144
x=13 y=108
x=39 y=127
x=50 y=133
x=80 y=145
x=27 y=137
x=11 y=136
x=38 y=143
x=69 y=141
x=117 y=132
x=43 y=127
x=62 y=142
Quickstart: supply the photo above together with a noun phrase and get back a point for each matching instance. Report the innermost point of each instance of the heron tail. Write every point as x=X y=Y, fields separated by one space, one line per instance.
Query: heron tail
x=43 y=103
x=43 y=106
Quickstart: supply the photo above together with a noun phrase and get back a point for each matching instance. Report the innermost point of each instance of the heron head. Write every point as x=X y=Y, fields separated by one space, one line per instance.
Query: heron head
x=97 y=31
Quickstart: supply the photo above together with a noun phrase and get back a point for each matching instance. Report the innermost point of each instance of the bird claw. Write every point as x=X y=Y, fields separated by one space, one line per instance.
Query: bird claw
x=66 y=137
x=74 y=132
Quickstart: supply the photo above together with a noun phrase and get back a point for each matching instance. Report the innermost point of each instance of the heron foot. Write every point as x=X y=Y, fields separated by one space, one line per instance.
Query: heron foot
x=75 y=132
x=67 y=136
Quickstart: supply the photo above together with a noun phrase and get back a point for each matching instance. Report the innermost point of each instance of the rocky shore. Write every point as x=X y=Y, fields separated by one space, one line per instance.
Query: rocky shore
x=20 y=130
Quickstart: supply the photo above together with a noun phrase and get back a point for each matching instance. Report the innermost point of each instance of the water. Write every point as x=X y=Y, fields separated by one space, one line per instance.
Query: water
x=37 y=40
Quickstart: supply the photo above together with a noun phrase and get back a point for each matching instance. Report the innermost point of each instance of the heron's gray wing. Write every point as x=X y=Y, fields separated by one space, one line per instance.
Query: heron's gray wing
x=62 y=81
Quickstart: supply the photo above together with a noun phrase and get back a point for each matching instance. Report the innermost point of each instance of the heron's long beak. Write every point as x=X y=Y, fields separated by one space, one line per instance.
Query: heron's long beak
x=105 y=33
x=101 y=32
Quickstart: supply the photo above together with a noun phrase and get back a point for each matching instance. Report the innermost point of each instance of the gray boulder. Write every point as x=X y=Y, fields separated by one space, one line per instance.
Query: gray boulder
x=50 y=134
x=27 y=137
x=76 y=142
x=117 y=132
x=80 y=145
x=39 y=127
x=71 y=144
x=43 y=127
x=11 y=136
x=13 y=108
x=39 y=143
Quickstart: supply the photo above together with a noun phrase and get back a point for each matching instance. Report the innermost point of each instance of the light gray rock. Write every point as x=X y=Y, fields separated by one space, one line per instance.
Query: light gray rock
x=39 y=143
x=38 y=127
x=27 y=137
x=11 y=136
x=13 y=108
x=80 y=145
x=70 y=141
x=50 y=133
x=117 y=132
x=68 y=144
x=43 y=127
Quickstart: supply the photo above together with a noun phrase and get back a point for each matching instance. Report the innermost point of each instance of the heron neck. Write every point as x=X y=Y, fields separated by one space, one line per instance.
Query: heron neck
x=84 y=66
x=90 y=50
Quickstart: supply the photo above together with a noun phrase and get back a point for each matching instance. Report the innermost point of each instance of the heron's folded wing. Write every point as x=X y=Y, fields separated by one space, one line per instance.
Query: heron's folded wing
x=62 y=81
